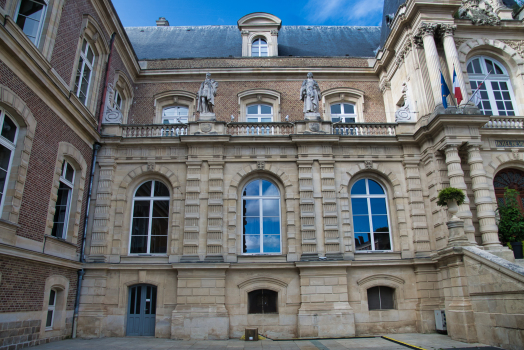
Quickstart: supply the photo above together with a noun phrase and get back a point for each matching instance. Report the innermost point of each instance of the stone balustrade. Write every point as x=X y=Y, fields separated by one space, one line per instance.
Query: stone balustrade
x=364 y=129
x=154 y=130
x=503 y=122
x=260 y=129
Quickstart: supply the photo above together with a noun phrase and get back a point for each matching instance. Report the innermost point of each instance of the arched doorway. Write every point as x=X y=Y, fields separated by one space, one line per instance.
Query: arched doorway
x=510 y=178
x=141 y=310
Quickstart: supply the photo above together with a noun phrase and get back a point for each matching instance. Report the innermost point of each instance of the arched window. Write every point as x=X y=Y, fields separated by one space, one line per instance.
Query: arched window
x=8 y=136
x=370 y=216
x=259 y=48
x=175 y=115
x=496 y=94
x=512 y=179
x=381 y=298
x=259 y=114
x=30 y=17
x=261 y=218
x=63 y=201
x=343 y=112
x=262 y=301
x=84 y=72
x=150 y=219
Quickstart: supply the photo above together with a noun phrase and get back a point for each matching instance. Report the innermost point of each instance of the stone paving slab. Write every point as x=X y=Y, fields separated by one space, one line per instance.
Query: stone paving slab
x=426 y=341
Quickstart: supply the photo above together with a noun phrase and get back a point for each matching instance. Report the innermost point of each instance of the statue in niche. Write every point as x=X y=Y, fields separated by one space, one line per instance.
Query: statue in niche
x=404 y=114
x=206 y=95
x=310 y=94
x=112 y=114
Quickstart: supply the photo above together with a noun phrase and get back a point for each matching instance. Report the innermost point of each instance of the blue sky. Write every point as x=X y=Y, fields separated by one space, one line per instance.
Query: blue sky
x=207 y=12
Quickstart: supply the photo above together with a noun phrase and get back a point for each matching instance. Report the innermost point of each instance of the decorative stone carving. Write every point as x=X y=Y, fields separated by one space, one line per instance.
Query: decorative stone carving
x=314 y=127
x=516 y=45
x=480 y=12
x=151 y=166
x=404 y=113
x=310 y=94
x=261 y=165
x=424 y=29
x=112 y=114
x=447 y=29
x=404 y=51
x=368 y=164
x=206 y=127
x=389 y=19
x=274 y=32
x=206 y=95
x=244 y=32
x=385 y=85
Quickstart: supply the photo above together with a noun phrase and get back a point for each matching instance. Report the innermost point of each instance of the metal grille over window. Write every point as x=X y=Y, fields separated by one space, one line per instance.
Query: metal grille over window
x=261 y=218
x=150 y=219
x=343 y=113
x=381 y=298
x=259 y=48
x=175 y=115
x=495 y=94
x=84 y=72
x=30 y=17
x=370 y=216
x=63 y=201
x=8 y=138
x=262 y=301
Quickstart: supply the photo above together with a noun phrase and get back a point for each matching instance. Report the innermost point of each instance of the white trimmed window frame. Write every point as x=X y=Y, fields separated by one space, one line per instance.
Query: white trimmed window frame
x=184 y=118
x=51 y=309
x=476 y=78
x=259 y=96
x=11 y=146
x=174 y=98
x=257 y=45
x=69 y=184
x=41 y=21
x=82 y=65
x=343 y=116
x=259 y=116
x=344 y=95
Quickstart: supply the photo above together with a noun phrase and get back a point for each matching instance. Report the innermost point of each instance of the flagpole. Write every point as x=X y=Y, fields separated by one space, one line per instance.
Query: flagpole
x=478 y=87
x=452 y=98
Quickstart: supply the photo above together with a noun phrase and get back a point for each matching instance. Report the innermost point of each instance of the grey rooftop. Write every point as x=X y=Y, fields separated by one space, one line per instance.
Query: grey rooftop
x=155 y=43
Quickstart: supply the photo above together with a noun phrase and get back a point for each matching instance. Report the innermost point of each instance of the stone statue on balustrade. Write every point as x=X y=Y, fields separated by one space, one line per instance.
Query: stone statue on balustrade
x=206 y=98
x=310 y=94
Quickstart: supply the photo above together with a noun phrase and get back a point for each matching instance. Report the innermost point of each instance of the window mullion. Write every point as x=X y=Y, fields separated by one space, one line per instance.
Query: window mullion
x=151 y=202
x=491 y=97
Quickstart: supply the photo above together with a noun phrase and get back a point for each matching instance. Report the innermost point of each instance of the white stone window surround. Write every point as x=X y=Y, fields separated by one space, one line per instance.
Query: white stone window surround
x=67 y=181
x=259 y=25
x=259 y=96
x=259 y=47
x=174 y=98
x=60 y=285
x=151 y=201
x=33 y=18
x=9 y=145
x=498 y=75
x=344 y=95
x=368 y=197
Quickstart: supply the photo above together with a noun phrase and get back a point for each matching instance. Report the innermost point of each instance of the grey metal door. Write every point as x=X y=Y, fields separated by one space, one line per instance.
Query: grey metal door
x=142 y=310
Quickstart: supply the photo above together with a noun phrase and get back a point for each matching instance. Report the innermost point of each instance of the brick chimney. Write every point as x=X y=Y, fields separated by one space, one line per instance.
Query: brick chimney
x=162 y=22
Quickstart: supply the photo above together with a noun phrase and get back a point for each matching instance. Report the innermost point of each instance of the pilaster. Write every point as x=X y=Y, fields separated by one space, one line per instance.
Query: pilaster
x=307 y=208
x=192 y=222
x=215 y=209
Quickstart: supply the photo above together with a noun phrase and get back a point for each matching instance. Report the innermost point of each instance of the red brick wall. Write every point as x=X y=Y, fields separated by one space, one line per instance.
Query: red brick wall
x=23 y=284
x=50 y=130
x=226 y=101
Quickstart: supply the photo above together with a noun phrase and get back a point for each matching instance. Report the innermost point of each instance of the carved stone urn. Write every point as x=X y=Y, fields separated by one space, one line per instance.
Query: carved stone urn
x=453 y=209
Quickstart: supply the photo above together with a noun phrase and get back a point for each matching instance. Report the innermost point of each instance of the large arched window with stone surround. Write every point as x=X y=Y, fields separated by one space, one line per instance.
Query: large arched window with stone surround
x=496 y=94
x=150 y=221
x=512 y=179
x=370 y=216
x=261 y=218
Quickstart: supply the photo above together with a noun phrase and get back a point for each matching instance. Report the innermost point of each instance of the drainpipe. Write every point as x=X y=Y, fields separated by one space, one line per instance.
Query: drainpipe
x=103 y=104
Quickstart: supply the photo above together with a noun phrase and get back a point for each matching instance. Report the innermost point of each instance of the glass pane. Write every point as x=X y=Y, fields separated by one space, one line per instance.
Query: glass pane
x=359 y=187
x=141 y=209
x=3 y=175
x=336 y=109
x=362 y=241
x=252 y=226
x=158 y=244
x=361 y=223
x=52 y=295
x=138 y=299
x=359 y=206
x=132 y=301
x=251 y=244
x=498 y=95
x=335 y=119
x=266 y=120
x=375 y=188
x=160 y=209
x=9 y=129
x=503 y=85
x=252 y=189
x=140 y=227
x=380 y=223
x=85 y=83
x=489 y=66
x=144 y=190
x=49 y=320
x=183 y=111
x=252 y=120
x=160 y=190
x=495 y=85
x=382 y=241
x=373 y=298
x=254 y=51
x=159 y=226
x=349 y=109
x=271 y=243
x=70 y=173
x=251 y=207
x=476 y=66
x=270 y=207
x=268 y=189
x=498 y=69
x=378 y=205
x=5 y=157
x=58 y=230
x=265 y=109
x=470 y=68
x=153 y=302
x=84 y=45
x=90 y=55
x=271 y=226
x=147 y=306
x=139 y=244
x=169 y=112
x=387 y=300
x=252 y=109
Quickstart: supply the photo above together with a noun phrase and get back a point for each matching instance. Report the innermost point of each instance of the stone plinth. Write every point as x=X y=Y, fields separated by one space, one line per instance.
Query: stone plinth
x=312 y=116
x=457 y=237
x=313 y=127
x=210 y=127
x=207 y=117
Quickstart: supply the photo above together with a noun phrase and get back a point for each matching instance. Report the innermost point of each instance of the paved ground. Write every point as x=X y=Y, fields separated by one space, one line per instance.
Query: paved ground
x=425 y=341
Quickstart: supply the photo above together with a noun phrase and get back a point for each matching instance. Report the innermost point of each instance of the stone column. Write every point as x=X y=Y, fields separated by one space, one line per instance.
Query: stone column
x=485 y=208
x=427 y=31
x=456 y=179
x=452 y=58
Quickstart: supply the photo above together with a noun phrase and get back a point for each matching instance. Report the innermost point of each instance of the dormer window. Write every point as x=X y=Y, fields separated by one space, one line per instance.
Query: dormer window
x=259 y=48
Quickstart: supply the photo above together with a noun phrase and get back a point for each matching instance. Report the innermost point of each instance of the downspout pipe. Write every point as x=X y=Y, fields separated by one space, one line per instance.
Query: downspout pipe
x=84 y=235
x=103 y=103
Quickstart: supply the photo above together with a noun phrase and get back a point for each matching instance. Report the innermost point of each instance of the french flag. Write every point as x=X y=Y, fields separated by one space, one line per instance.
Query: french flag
x=456 y=87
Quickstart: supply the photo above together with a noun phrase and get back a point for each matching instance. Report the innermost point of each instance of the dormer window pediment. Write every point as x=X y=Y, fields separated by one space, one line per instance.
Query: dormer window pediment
x=257 y=27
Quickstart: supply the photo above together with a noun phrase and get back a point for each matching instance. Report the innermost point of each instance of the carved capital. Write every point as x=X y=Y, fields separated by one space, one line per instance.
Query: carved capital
x=244 y=32
x=426 y=29
x=447 y=29
x=274 y=32
x=385 y=85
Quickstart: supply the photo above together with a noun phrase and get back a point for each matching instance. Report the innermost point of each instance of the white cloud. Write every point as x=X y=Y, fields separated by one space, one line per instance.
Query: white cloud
x=343 y=11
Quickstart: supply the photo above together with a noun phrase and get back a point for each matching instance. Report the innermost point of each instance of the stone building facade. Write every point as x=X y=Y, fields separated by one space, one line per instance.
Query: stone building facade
x=142 y=217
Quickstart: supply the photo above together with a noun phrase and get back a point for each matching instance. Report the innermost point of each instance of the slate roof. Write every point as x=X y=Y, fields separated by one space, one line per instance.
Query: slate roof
x=152 y=43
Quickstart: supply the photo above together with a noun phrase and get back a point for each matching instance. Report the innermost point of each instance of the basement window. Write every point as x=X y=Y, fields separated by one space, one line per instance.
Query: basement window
x=262 y=301
x=381 y=298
